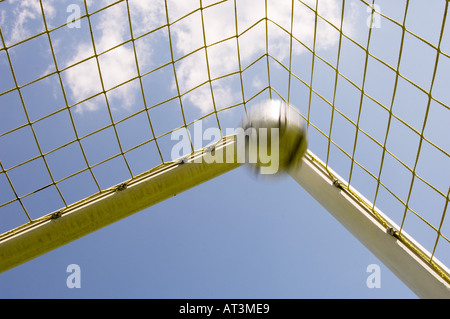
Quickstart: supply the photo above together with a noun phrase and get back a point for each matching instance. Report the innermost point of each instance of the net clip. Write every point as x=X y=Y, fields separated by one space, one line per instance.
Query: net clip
x=121 y=187
x=393 y=232
x=56 y=215
x=183 y=160
x=338 y=184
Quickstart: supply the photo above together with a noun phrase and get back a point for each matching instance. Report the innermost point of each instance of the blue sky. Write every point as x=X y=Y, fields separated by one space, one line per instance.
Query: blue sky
x=237 y=236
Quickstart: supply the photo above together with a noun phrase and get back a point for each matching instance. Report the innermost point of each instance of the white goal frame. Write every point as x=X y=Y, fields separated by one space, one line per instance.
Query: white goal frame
x=399 y=252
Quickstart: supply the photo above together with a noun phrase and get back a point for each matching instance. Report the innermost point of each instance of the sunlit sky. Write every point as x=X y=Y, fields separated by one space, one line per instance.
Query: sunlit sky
x=237 y=236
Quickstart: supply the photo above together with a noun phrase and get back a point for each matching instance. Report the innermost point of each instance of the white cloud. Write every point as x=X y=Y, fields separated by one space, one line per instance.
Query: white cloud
x=21 y=19
x=219 y=23
x=83 y=80
x=146 y=15
x=188 y=34
x=118 y=65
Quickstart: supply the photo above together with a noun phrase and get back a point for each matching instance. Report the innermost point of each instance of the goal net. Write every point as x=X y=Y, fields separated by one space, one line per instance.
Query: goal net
x=97 y=96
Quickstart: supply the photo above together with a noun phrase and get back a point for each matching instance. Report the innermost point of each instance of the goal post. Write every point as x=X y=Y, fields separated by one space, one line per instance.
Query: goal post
x=399 y=252
x=88 y=215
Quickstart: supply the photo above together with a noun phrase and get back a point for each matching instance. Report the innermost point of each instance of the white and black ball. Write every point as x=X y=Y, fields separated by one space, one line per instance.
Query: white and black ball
x=292 y=140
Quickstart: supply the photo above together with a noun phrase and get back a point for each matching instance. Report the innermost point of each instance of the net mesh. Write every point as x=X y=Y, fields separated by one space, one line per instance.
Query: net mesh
x=92 y=92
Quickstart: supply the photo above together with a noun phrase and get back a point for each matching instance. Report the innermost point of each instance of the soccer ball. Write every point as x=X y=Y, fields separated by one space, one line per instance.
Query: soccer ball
x=276 y=137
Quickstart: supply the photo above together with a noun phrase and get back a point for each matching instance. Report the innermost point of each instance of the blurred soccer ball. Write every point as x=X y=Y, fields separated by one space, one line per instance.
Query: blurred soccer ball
x=280 y=132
